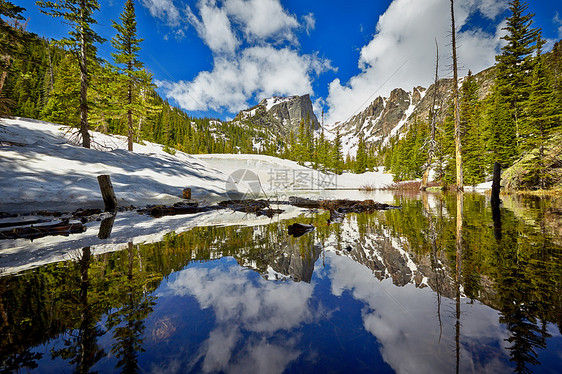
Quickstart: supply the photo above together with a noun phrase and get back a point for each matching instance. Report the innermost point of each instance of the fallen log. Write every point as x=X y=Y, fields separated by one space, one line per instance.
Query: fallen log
x=22 y=223
x=340 y=205
x=35 y=232
x=257 y=207
x=161 y=210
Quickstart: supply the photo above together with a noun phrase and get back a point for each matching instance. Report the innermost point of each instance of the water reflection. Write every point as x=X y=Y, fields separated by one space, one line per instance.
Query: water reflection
x=395 y=291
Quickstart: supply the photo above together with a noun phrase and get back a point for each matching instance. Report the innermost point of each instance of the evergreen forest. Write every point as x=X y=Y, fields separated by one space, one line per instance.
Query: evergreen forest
x=515 y=120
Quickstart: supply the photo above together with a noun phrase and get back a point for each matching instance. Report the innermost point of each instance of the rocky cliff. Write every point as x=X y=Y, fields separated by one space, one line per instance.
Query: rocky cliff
x=281 y=114
x=387 y=117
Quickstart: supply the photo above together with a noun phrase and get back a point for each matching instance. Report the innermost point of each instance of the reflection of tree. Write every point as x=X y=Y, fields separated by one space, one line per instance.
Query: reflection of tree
x=435 y=266
x=128 y=322
x=520 y=276
x=458 y=267
x=81 y=349
x=9 y=361
x=520 y=310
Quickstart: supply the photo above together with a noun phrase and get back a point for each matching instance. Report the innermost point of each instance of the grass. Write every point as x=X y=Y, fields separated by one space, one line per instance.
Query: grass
x=413 y=185
x=556 y=192
x=368 y=187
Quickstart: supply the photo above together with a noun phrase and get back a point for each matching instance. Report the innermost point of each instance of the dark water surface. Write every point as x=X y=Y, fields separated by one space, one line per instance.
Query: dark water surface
x=389 y=292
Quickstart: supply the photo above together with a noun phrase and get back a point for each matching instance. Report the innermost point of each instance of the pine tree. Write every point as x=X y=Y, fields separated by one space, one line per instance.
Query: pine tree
x=514 y=66
x=78 y=14
x=10 y=36
x=127 y=46
x=361 y=157
x=302 y=144
x=473 y=147
x=63 y=103
x=543 y=118
x=336 y=155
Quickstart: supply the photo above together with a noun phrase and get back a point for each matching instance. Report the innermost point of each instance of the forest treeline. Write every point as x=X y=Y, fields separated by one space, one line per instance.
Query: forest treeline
x=519 y=120
x=43 y=81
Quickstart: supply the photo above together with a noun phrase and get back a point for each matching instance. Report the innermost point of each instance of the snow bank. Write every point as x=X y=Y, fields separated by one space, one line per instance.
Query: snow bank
x=281 y=175
x=42 y=169
x=39 y=166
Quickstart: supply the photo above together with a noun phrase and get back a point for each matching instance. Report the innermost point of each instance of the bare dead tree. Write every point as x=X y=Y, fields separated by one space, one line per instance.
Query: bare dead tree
x=458 y=148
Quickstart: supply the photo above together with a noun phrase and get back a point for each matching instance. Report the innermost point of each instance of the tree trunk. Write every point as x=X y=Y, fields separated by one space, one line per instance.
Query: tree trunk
x=458 y=148
x=431 y=152
x=84 y=127
x=131 y=130
x=107 y=192
x=495 y=201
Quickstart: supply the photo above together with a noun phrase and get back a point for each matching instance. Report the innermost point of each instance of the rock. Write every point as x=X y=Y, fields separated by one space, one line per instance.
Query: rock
x=281 y=114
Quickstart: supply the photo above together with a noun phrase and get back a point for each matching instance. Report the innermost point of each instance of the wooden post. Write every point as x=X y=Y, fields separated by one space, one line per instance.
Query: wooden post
x=109 y=199
x=106 y=226
x=187 y=193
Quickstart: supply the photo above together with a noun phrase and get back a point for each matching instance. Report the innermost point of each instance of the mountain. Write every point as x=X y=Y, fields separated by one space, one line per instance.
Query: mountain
x=280 y=114
x=388 y=117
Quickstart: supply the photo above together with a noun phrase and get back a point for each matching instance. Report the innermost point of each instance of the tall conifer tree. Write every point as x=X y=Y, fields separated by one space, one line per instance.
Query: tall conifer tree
x=79 y=14
x=543 y=118
x=514 y=67
x=473 y=147
x=9 y=36
x=127 y=45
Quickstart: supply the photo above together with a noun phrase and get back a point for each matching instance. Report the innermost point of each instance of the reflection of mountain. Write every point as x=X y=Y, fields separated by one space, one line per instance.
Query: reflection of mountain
x=290 y=258
x=379 y=269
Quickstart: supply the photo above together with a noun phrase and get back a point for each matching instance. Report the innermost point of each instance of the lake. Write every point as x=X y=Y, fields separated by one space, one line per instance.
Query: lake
x=391 y=291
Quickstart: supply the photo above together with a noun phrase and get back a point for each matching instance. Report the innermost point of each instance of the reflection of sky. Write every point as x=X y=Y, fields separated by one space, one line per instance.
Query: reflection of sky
x=243 y=304
x=342 y=317
x=404 y=321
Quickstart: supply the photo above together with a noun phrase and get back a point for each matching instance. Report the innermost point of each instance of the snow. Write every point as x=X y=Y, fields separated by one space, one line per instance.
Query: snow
x=402 y=122
x=276 y=174
x=272 y=101
x=21 y=254
x=46 y=171
x=41 y=169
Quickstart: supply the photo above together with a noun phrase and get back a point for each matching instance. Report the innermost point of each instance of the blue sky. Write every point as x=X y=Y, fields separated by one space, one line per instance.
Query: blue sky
x=217 y=57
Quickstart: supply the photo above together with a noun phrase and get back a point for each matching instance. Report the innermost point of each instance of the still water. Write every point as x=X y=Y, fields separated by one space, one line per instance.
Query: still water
x=392 y=291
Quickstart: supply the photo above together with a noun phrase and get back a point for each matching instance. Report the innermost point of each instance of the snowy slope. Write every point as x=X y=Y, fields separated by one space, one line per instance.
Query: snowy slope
x=39 y=166
x=41 y=169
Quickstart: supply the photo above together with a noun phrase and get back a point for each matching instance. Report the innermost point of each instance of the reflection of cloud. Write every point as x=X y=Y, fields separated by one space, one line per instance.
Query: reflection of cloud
x=412 y=345
x=241 y=305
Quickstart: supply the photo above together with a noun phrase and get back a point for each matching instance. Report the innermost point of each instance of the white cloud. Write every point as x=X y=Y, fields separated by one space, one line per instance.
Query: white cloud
x=489 y=8
x=214 y=27
x=262 y=19
x=558 y=21
x=245 y=37
x=255 y=72
x=309 y=22
x=165 y=10
x=402 y=51
x=256 y=20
